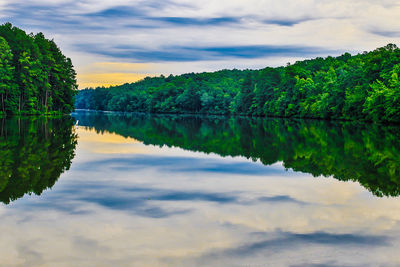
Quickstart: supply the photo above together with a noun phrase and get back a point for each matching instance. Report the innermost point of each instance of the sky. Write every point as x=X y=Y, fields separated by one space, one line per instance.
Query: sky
x=117 y=41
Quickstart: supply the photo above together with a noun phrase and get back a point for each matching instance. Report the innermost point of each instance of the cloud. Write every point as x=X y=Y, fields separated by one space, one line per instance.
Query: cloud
x=116 y=12
x=206 y=35
x=189 y=53
x=286 y=22
x=259 y=51
x=386 y=33
x=187 y=21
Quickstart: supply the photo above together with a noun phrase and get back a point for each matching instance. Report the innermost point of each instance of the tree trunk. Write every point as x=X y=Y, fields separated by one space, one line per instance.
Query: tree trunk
x=45 y=101
x=2 y=103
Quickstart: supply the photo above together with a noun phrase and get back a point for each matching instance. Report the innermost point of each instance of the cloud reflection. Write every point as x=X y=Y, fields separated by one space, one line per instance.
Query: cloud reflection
x=75 y=199
x=184 y=165
x=289 y=241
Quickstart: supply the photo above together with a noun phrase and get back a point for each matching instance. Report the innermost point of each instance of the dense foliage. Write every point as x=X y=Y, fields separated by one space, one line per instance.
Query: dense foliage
x=33 y=154
x=364 y=153
x=361 y=87
x=35 y=77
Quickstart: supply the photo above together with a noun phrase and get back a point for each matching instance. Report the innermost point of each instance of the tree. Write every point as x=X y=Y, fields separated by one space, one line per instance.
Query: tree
x=35 y=76
x=383 y=102
x=6 y=76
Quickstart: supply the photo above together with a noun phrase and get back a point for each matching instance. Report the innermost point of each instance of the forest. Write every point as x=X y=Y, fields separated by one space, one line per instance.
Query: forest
x=364 y=87
x=347 y=151
x=35 y=77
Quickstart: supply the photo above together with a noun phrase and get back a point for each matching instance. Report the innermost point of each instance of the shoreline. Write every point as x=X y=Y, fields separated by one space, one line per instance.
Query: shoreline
x=243 y=116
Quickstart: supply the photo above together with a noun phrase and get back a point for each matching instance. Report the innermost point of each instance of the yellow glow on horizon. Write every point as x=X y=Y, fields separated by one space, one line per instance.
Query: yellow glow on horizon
x=113 y=73
x=108 y=79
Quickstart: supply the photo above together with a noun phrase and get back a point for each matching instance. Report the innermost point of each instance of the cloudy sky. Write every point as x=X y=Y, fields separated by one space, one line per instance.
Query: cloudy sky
x=118 y=41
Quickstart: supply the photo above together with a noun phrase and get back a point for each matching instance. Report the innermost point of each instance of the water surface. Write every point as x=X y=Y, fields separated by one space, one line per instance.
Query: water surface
x=142 y=190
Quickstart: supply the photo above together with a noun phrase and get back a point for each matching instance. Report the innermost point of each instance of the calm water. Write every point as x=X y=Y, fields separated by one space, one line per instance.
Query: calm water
x=141 y=190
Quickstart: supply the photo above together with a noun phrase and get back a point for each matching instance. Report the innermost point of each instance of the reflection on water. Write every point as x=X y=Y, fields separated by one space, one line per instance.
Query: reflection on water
x=34 y=152
x=181 y=191
x=368 y=154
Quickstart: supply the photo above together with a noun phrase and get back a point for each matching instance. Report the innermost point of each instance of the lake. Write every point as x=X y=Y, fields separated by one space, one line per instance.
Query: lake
x=161 y=190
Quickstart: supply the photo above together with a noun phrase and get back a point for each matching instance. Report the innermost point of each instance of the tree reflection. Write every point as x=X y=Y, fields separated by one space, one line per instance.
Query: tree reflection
x=33 y=154
x=366 y=153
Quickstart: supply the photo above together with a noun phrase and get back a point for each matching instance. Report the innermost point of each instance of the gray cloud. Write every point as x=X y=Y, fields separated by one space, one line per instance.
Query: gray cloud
x=116 y=12
x=182 y=53
x=386 y=33
x=187 y=21
x=286 y=22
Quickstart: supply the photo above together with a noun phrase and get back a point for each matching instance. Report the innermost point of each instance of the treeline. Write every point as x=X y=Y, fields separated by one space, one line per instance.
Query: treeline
x=361 y=87
x=188 y=93
x=35 y=77
x=34 y=152
x=347 y=151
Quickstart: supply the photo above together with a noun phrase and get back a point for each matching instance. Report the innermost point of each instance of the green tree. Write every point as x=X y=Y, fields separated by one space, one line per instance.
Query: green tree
x=383 y=101
x=6 y=76
x=42 y=78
